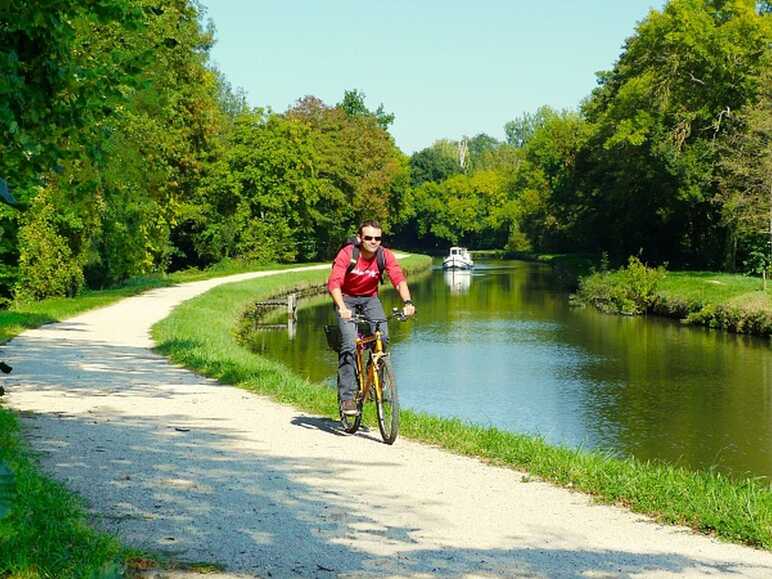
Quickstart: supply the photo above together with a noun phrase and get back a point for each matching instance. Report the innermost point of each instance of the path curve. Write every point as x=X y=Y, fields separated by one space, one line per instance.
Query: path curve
x=171 y=461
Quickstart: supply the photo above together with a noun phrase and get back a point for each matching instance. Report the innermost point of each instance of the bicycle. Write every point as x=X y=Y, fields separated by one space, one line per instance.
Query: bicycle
x=375 y=378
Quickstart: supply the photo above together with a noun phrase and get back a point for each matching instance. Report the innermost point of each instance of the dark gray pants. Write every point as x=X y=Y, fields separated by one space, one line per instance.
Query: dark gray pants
x=371 y=308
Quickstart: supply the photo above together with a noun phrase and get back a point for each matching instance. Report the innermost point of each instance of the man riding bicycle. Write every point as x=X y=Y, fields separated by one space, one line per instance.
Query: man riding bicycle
x=353 y=285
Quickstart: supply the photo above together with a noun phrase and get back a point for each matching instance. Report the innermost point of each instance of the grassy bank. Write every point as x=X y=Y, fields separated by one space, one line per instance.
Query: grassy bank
x=739 y=511
x=23 y=316
x=46 y=531
x=736 y=303
x=731 y=302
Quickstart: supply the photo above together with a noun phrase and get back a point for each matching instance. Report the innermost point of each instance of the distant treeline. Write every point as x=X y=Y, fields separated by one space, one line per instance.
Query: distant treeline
x=131 y=154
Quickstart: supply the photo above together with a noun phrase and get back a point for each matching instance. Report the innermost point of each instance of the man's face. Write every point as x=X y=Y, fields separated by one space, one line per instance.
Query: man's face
x=371 y=239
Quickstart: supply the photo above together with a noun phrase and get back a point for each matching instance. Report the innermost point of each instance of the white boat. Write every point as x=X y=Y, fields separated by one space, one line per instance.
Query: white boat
x=459 y=258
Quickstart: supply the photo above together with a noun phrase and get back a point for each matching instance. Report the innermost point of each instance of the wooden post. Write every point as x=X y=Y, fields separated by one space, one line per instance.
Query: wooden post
x=292 y=305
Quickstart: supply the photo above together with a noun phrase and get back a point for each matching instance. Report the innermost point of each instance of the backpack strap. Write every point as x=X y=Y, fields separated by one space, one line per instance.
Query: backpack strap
x=354 y=257
x=380 y=258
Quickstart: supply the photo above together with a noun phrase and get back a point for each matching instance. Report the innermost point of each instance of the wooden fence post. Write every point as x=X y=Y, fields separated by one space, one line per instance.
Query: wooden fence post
x=292 y=305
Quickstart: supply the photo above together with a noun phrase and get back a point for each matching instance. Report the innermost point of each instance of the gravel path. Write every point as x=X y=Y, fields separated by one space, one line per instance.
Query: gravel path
x=177 y=463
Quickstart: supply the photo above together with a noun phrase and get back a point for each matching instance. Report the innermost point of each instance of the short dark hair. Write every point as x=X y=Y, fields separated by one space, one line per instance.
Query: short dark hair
x=369 y=223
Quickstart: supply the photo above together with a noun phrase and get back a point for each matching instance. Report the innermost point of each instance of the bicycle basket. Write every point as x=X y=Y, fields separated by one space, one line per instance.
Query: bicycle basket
x=334 y=337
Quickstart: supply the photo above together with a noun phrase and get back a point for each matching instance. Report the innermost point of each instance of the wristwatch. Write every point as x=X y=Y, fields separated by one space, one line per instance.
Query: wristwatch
x=408 y=302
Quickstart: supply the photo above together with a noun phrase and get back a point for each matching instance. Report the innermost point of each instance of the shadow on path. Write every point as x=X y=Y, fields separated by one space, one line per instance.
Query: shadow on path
x=208 y=487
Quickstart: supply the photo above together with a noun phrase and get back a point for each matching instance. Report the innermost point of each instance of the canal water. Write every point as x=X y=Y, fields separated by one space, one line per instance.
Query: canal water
x=501 y=346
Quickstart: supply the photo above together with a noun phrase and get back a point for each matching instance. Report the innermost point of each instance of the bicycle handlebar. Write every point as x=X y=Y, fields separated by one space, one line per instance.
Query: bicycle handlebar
x=396 y=314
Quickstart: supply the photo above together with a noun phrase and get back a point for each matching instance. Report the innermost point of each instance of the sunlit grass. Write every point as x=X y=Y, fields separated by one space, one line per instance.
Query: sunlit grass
x=708 y=287
x=23 y=316
x=46 y=534
x=707 y=501
x=736 y=303
x=732 y=302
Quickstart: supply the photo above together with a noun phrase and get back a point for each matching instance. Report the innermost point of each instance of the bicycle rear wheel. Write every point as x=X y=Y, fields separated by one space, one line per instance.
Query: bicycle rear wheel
x=387 y=406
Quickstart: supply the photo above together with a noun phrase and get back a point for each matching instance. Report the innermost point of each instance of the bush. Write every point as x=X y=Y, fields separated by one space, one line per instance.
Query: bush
x=630 y=290
x=47 y=266
x=733 y=318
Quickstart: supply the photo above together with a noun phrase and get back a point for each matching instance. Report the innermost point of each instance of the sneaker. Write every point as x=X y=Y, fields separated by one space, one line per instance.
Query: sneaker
x=349 y=407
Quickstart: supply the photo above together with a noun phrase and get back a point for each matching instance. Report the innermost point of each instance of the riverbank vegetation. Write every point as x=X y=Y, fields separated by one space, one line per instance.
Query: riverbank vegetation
x=23 y=315
x=136 y=157
x=725 y=301
x=736 y=510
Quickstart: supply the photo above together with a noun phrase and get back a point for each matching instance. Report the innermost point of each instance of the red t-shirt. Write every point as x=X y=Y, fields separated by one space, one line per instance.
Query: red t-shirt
x=363 y=279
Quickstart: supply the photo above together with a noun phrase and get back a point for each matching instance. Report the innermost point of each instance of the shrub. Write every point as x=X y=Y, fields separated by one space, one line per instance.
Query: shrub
x=733 y=318
x=47 y=266
x=630 y=290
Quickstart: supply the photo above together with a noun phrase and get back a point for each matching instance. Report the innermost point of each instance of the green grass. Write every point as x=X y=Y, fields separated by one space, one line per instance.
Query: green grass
x=731 y=302
x=706 y=287
x=46 y=531
x=739 y=511
x=23 y=316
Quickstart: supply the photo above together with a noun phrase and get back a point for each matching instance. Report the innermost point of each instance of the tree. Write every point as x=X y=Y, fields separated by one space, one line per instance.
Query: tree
x=520 y=130
x=140 y=117
x=353 y=104
x=435 y=163
x=49 y=96
x=555 y=153
x=478 y=146
x=650 y=164
x=745 y=180
x=48 y=93
x=292 y=186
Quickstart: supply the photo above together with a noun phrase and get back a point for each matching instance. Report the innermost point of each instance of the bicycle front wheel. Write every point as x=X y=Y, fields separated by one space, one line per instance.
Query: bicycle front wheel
x=387 y=404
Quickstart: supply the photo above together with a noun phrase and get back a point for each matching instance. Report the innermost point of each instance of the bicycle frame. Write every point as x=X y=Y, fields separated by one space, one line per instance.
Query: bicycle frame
x=368 y=377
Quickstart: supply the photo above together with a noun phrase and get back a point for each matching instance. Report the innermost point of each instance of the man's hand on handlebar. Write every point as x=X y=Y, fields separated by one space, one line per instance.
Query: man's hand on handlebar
x=345 y=313
x=399 y=314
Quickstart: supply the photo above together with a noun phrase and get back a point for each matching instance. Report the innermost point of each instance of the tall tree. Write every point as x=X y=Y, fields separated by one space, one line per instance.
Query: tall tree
x=652 y=158
x=745 y=180
x=49 y=94
x=520 y=130
x=435 y=163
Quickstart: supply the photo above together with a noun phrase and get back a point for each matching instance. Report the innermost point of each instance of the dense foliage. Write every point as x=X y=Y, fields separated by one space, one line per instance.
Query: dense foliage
x=668 y=159
x=630 y=290
x=131 y=154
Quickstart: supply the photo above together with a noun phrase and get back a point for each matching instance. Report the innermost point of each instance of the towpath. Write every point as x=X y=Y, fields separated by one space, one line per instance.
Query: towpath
x=173 y=462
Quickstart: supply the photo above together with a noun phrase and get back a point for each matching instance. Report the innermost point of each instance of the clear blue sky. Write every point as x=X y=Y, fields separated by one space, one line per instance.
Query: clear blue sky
x=445 y=68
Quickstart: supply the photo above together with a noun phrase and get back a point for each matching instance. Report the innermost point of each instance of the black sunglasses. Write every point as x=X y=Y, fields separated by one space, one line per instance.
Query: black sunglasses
x=371 y=238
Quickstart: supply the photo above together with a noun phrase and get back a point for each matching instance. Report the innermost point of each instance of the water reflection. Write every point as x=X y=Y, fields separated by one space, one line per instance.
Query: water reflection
x=458 y=280
x=507 y=350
